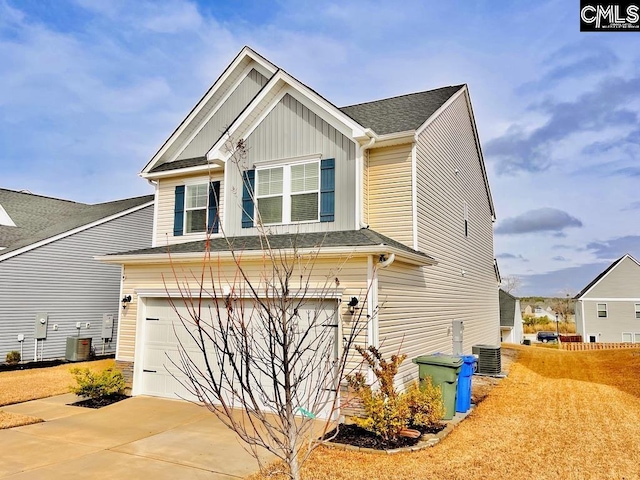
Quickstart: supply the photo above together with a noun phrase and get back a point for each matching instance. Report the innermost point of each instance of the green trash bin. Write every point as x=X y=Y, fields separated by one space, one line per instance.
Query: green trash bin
x=444 y=371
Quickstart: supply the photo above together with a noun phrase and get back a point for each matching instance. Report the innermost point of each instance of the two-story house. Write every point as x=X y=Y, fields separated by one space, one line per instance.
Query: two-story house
x=608 y=308
x=51 y=287
x=394 y=190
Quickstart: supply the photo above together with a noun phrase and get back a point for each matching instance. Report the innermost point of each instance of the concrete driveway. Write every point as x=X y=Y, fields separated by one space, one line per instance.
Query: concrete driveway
x=141 y=437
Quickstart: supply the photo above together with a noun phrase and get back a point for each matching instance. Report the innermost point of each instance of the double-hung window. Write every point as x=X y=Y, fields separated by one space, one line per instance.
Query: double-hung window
x=196 y=208
x=289 y=193
x=602 y=310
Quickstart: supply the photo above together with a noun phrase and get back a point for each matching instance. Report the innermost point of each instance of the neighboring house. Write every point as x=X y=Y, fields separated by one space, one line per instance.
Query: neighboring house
x=50 y=282
x=397 y=188
x=608 y=309
x=510 y=318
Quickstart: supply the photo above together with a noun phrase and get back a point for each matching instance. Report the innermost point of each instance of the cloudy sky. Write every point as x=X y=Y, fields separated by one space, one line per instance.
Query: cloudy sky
x=90 y=89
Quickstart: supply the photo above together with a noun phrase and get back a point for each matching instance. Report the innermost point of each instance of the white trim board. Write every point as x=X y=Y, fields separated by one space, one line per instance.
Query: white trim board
x=68 y=233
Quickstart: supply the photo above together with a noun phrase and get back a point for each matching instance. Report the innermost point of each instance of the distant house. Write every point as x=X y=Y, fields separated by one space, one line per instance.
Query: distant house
x=50 y=285
x=510 y=318
x=608 y=309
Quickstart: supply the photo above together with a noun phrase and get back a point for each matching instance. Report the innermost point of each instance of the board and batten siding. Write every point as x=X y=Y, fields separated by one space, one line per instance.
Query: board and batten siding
x=173 y=149
x=226 y=114
x=463 y=285
x=291 y=130
x=63 y=280
x=352 y=278
x=389 y=195
x=166 y=205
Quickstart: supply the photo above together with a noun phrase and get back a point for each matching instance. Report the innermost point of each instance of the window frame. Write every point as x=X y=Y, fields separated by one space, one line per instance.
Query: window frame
x=637 y=310
x=287 y=192
x=207 y=182
x=598 y=310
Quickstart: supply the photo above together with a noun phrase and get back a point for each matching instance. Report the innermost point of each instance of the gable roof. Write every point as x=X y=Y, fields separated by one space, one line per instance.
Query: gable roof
x=321 y=240
x=603 y=274
x=402 y=113
x=245 y=53
x=507 y=308
x=39 y=218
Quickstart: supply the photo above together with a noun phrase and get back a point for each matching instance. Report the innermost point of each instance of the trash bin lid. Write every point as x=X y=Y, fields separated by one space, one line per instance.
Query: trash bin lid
x=439 y=359
x=469 y=358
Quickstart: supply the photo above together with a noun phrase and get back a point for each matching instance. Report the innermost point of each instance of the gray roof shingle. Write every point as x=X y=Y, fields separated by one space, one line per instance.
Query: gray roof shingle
x=507 y=309
x=348 y=238
x=400 y=114
x=38 y=217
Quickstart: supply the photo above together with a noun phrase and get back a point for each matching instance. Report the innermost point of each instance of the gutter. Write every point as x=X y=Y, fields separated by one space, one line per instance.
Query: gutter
x=388 y=252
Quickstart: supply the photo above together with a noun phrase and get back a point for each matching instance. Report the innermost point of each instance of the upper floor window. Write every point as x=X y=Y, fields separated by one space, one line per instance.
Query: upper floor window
x=602 y=310
x=637 y=310
x=289 y=193
x=196 y=208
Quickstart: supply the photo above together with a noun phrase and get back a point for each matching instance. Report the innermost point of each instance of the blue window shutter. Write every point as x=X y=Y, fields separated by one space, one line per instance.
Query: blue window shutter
x=178 y=212
x=214 y=200
x=327 y=190
x=248 y=185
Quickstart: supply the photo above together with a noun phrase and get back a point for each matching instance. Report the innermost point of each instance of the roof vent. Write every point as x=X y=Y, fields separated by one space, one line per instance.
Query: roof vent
x=489 y=359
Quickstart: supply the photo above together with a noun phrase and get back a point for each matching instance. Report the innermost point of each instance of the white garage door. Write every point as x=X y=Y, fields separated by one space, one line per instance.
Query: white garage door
x=165 y=335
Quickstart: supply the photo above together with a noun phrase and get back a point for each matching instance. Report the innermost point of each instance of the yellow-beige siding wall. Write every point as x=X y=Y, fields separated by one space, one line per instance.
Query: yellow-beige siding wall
x=389 y=193
x=351 y=276
x=418 y=304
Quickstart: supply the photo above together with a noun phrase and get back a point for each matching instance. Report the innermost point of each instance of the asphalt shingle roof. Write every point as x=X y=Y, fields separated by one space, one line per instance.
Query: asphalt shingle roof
x=399 y=114
x=38 y=217
x=507 y=308
x=184 y=163
x=348 y=238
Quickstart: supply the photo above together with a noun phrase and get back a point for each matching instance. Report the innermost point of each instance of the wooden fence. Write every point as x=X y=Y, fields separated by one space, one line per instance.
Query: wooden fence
x=597 y=346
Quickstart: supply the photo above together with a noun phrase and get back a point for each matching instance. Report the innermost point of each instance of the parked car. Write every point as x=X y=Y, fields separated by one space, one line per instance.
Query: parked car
x=545 y=337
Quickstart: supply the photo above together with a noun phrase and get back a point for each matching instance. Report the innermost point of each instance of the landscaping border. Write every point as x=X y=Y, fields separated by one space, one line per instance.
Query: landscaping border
x=427 y=440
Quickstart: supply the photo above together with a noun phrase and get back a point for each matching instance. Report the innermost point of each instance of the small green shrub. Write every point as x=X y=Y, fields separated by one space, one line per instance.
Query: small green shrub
x=13 y=357
x=97 y=385
x=426 y=407
x=386 y=412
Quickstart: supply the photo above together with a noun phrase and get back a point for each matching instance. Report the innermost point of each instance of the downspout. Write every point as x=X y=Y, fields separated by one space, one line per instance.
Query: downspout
x=154 y=231
x=385 y=262
x=363 y=149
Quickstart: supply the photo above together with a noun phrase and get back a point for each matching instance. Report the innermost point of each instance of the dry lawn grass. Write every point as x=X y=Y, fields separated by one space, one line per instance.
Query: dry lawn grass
x=24 y=385
x=10 y=420
x=559 y=415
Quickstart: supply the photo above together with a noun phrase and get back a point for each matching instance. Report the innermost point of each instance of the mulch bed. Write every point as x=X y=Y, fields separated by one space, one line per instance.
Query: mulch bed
x=6 y=367
x=100 y=402
x=359 y=437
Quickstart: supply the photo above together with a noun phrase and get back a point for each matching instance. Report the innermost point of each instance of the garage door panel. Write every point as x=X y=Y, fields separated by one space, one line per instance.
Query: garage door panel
x=165 y=332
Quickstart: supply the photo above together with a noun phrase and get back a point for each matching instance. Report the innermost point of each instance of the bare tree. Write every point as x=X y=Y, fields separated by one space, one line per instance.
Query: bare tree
x=511 y=283
x=268 y=343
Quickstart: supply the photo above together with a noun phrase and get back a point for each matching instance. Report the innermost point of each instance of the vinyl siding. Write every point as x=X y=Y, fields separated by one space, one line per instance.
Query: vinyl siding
x=389 y=195
x=426 y=300
x=63 y=280
x=352 y=278
x=204 y=112
x=292 y=130
x=225 y=115
x=623 y=281
x=620 y=318
x=166 y=205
